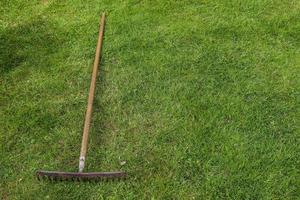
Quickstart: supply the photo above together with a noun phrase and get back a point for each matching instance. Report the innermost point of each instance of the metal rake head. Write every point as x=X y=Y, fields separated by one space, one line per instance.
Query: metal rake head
x=79 y=176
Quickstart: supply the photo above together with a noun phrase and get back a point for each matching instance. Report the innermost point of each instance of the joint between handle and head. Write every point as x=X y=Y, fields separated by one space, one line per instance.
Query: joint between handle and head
x=81 y=163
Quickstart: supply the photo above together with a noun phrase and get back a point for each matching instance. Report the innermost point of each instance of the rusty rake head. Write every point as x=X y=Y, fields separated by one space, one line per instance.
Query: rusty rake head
x=79 y=176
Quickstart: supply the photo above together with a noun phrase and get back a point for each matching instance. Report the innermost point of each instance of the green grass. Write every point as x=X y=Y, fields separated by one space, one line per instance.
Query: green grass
x=200 y=98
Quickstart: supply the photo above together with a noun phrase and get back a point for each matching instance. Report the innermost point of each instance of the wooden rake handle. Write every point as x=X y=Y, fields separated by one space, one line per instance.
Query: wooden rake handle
x=89 y=109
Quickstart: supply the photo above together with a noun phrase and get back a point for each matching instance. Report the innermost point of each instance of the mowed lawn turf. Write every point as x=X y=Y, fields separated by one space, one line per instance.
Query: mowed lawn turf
x=195 y=99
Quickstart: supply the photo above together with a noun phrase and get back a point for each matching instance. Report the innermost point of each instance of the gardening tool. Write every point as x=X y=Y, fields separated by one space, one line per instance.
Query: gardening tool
x=78 y=176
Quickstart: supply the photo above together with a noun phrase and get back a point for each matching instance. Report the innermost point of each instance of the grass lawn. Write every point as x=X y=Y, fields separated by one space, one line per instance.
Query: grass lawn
x=200 y=98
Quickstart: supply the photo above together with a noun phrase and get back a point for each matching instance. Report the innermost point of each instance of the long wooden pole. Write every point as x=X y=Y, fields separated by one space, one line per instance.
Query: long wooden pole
x=89 y=110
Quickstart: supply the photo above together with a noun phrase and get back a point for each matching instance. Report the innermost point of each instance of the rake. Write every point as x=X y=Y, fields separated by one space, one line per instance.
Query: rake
x=80 y=175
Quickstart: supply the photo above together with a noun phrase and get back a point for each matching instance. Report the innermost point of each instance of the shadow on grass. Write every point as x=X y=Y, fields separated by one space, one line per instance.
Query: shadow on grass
x=99 y=122
x=27 y=47
x=28 y=43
